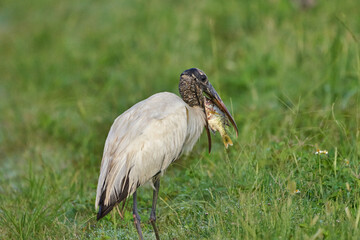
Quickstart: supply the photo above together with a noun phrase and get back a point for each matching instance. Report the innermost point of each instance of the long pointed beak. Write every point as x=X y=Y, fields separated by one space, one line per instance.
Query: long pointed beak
x=215 y=98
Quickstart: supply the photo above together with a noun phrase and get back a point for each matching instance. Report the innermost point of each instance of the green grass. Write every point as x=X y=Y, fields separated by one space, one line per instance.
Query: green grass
x=291 y=78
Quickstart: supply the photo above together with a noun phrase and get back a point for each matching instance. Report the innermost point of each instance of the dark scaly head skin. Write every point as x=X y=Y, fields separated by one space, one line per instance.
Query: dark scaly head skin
x=191 y=85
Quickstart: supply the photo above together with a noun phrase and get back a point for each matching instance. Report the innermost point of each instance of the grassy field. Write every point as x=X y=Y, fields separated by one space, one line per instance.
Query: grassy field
x=290 y=76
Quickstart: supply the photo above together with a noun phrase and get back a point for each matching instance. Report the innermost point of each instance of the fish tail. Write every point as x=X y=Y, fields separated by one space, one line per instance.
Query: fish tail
x=227 y=141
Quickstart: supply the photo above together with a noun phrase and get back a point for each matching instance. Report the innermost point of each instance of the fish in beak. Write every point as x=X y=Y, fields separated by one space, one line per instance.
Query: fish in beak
x=204 y=94
x=211 y=94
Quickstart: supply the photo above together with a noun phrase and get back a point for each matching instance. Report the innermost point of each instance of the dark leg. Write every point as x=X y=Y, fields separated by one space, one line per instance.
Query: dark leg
x=137 y=217
x=156 y=181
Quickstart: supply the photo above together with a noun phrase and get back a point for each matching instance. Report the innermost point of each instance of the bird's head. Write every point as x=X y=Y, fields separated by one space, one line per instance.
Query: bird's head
x=194 y=87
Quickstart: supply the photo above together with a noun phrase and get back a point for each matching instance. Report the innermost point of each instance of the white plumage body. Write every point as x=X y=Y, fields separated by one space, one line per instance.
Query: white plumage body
x=144 y=141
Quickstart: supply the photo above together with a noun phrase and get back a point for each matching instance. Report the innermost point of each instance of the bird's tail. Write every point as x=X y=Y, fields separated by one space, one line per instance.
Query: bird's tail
x=105 y=209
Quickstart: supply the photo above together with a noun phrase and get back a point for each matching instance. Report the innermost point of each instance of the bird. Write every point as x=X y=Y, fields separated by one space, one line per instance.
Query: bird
x=145 y=139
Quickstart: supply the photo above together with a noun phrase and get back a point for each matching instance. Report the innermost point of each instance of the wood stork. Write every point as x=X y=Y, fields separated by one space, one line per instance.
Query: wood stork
x=148 y=137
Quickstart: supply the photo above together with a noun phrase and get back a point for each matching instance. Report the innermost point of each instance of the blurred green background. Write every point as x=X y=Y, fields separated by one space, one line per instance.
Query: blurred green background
x=290 y=76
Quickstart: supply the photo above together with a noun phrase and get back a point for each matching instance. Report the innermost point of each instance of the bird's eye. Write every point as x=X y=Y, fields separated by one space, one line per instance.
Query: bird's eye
x=203 y=78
